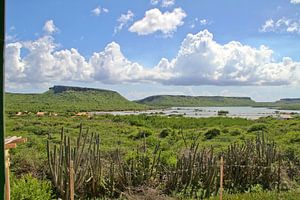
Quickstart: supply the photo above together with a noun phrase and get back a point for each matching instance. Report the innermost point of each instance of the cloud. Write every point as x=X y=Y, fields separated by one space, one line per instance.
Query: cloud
x=202 y=22
x=98 y=10
x=43 y=63
x=49 y=27
x=282 y=25
x=164 y=3
x=167 y=3
x=105 y=10
x=123 y=20
x=200 y=61
x=295 y=1
x=154 y=21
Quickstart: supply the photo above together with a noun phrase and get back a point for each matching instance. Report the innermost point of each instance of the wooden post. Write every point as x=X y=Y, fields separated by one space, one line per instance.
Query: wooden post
x=221 y=177
x=71 y=180
x=7 y=182
x=10 y=143
x=278 y=173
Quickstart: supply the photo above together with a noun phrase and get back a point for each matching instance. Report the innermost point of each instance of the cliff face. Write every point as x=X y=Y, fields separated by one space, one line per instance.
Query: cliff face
x=61 y=88
x=289 y=100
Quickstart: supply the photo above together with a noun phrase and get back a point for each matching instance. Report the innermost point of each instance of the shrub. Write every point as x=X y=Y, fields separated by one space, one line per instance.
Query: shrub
x=225 y=130
x=164 y=133
x=143 y=133
x=28 y=187
x=210 y=134
x=257 y=127
x=235 y=132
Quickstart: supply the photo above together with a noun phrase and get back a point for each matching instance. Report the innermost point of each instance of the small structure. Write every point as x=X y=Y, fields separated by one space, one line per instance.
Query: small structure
x=19 y=113
x=10 y=143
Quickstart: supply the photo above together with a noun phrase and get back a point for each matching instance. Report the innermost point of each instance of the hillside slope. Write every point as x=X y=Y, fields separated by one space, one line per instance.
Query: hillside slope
x=180 y=100
x=71 y=99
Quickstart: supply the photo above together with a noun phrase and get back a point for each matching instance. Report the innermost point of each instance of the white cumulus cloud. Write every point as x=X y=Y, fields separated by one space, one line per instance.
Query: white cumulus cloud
x=49 y=27
x=154 y=21
x=203 y=61
x=200 y=61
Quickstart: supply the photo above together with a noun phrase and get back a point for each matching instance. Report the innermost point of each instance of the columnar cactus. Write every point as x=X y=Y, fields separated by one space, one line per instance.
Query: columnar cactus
x=85 y=156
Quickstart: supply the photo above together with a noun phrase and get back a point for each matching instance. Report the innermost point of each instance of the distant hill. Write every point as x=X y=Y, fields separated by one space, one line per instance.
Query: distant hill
x=72 y=99
x=288 y=101
x=181 y=100
x=288 y=104
x=77 y=99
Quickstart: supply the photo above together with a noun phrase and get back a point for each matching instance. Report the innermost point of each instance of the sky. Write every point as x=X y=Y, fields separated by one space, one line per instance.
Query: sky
x=151 y=47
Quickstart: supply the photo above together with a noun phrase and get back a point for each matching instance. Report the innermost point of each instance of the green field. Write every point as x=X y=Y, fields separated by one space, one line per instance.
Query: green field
x=139 y=153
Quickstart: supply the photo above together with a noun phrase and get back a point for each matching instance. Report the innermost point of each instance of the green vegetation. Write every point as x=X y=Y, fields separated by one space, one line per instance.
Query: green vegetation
x=178 y=100
x=69 y=99
x=152 y=154
x=262 y=195
x=28 y=187
x=126 y=134
x=217 y=101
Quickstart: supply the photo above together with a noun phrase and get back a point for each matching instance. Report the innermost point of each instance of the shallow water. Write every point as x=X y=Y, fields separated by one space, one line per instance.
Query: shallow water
x=243 y=112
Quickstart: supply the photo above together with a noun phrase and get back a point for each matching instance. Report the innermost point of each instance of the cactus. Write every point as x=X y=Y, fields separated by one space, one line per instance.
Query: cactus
x=86 y=158
x=196 y=170
x=250 y=163
x=196 y=173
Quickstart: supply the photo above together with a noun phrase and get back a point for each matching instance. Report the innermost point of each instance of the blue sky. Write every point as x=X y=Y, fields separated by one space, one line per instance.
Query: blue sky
x=147 y=47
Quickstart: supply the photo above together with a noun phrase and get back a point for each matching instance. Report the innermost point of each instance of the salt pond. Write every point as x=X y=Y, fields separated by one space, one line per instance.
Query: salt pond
x=243 y=112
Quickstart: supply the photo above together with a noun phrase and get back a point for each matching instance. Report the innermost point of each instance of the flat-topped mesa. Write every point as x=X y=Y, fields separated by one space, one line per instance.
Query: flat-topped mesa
x=150 y=98
x=61 y=88
x=289 y=100
x=184 y=100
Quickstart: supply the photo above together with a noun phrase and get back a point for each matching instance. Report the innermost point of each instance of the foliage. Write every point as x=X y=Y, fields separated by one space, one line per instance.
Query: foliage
x=257 y=127
x=262 y=195
x=28 y=187
x=211 y=133
x=165 y=132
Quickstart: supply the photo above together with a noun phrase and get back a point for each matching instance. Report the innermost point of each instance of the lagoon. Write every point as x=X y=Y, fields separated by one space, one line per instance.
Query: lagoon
x=243 y=112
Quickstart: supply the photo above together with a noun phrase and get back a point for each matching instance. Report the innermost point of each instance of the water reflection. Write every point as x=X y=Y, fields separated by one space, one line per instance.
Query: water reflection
x=243 y=112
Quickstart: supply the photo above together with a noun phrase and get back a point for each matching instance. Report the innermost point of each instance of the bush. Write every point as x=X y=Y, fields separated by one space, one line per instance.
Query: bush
x=257 y=127
x=28 y=187
x=164 y=133
x=143 y=133
x=235 y=132
x=210 y=134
